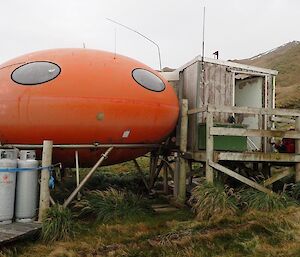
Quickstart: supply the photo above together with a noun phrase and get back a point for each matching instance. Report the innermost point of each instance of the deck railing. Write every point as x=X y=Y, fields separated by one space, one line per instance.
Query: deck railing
x=275 y=115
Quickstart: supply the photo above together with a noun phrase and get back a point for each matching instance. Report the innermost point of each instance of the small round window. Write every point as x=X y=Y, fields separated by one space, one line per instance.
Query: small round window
x=148 y=80
x=35 y=73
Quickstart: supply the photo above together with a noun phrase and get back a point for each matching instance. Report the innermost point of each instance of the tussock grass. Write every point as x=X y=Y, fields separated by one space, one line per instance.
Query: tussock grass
x=209 y=201
x=113 y=205
x=8 y=252
x=58 y=224
x=128 y=180
x=295 y=191
x=253 y=199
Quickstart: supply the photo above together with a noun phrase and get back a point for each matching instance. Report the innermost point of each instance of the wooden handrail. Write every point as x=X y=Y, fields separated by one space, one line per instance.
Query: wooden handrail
x=245 y=110
x=221 y=131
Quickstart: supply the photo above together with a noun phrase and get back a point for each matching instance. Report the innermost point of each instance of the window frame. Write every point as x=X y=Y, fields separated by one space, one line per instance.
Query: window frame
x=157 y=91
x=39 y=83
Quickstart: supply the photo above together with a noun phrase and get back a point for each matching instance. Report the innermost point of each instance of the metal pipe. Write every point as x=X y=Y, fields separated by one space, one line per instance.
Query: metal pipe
x=87 y=177
x=28 y=146
x=77 y=173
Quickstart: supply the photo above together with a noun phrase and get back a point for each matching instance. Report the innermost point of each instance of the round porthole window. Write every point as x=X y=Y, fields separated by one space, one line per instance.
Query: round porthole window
x=148 y=80
x=35 y=73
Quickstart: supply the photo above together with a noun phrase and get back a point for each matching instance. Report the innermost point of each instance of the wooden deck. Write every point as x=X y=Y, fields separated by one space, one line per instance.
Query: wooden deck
x=17 y=231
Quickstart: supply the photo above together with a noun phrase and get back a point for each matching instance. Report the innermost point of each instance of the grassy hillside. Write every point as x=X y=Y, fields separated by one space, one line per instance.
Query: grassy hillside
x=285 y=59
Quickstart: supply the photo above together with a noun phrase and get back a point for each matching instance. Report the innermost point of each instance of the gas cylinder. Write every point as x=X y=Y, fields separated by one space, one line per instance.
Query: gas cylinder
x=8 y=160
x=27 y=187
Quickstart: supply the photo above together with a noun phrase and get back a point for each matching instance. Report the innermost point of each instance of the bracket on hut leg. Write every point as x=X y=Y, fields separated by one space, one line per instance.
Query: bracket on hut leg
x=156 y=165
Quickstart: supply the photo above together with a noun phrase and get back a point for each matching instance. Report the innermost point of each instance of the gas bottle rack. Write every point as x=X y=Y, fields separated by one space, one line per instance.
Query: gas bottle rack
x=16 y=230
x=18 y=194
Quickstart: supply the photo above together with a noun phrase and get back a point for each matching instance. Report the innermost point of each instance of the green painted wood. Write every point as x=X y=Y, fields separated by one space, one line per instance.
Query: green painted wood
x=223 y=143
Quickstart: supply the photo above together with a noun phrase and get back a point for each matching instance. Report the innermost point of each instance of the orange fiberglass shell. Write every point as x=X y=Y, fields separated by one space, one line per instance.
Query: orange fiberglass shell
x=81 y=96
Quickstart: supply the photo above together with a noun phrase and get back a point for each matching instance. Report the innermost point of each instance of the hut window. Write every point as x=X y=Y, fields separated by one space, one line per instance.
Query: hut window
x=35 y=73
x=148 y=80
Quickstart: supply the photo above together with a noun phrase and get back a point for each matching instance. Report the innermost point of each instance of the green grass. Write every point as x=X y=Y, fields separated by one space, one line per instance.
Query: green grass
x=295 y=191
x=211 y=201
x=113 y=205
x=118 y=222
x=58 y=224
x=252 y=199
x=118 y=176
x=176 y=233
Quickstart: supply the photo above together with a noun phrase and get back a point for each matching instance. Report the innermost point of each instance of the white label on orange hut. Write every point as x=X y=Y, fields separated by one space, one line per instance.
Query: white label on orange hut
x=126 y=134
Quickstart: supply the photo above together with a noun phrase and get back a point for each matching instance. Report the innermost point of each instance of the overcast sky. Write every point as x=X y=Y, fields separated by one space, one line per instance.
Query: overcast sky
x=237 y=28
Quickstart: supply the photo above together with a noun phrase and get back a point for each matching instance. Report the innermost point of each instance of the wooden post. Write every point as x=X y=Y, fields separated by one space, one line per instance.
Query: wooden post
x=297 y=150
x=45 y=175
x=209 y=148
x=183 y=148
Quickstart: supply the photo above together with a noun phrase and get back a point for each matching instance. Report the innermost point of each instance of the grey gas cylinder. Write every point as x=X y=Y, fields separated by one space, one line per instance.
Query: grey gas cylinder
x=27 y=187
x=8 y=160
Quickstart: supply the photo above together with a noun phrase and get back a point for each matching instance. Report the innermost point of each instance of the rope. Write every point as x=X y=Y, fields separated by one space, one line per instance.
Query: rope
x=50 y=168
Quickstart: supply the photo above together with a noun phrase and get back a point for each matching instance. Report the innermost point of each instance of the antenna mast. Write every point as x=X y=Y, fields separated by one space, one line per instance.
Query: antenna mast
x=203 y=35
x=115 y=44
x=139 y=33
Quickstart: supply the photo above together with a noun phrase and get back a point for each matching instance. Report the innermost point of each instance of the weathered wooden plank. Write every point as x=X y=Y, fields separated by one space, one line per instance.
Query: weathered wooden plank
x=189 y=78
x=223 y=86
x=282 y=120
x=246 y=156
x=4 y=237
x=254 y=111
x=197 y=110
x=45 y=176
x=217 y=91
x=254 y=132
x=277 y=177
x=257 y=157
x=209 y=148
x=232 y=66
x=249 y=110
x=248 y=73
x=183 y=149
x=266 y=105
x=15 y=231
x=240 y=177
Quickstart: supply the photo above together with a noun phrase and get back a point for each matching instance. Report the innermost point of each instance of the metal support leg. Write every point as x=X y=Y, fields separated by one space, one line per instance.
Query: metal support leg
x=77 y=173
x=87 y=177
x=165 y=179
x=136 y=164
